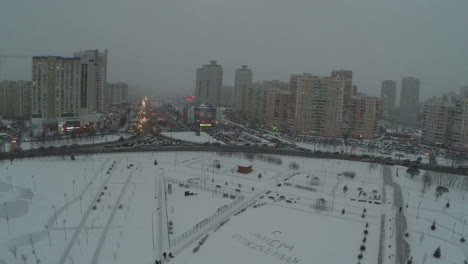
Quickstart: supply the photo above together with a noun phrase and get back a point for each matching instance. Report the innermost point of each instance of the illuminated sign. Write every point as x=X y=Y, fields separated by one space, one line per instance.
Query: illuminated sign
x=205 y=125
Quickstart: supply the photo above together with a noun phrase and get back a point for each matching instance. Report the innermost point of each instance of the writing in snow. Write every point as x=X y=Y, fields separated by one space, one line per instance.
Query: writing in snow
x=269 y=246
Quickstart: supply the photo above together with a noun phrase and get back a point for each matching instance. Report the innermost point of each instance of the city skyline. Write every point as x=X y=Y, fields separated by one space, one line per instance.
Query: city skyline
x=167 y=41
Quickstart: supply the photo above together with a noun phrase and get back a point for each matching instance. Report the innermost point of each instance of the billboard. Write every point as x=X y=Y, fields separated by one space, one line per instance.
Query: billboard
x=205 y=115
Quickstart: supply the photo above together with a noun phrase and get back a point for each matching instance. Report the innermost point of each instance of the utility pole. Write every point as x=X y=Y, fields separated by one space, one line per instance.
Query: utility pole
x=7 y=218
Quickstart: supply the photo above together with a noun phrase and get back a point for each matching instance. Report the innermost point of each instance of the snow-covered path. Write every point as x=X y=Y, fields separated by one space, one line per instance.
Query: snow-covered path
x=70 y=244
x=102 y=239
x=402 y=246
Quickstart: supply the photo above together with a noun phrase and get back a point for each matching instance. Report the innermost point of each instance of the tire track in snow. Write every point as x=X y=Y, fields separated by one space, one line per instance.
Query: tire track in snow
x=102 y=239
x=70 y=244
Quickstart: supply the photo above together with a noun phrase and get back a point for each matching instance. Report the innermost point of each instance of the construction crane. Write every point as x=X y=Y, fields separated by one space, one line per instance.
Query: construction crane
x=12 y=57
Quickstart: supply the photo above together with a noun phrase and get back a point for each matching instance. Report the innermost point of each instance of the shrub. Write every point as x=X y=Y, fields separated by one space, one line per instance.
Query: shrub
x=437 y=253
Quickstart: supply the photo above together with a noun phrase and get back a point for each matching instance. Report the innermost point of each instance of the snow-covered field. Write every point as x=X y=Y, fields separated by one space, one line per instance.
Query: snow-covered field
x=191 y=137
x=119 y=208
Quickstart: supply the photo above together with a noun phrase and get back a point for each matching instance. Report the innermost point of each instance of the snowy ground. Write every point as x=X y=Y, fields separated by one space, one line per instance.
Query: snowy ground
x=450 y=221
x=190 y=137
x=117 y=208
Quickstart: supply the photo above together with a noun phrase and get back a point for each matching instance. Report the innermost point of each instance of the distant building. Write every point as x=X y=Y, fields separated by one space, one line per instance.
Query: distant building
x=450 y=97
x=118 y=92
x=275 y=106
x=93 y=97
x=227 y=96
x=388 y=95
x=460 y=125
x=242 y=82
x=15 y=99
x=253 y=107
x=67 y=93
x=209 y=84
x=409 y=100
x=56 y=84
x=367 y=112
x=321 y=105
x=437 y=122
x=204 y=116
x=464 y=91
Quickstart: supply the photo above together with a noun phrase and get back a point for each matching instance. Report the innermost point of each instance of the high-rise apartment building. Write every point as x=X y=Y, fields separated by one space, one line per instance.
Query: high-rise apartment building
x=409 y=100
x=437 y=122
x=15 y=99
x=321 y=105
x=93 y=96
x=118 y=92
x=209 y=84
x=388 y=95
x=253 y=108
x=275 y=106
x=460 y=125
x=464 y=91
x=366 y=114
x=242 y=82
x=342 y=96
x=227 y=96
x=56 y=83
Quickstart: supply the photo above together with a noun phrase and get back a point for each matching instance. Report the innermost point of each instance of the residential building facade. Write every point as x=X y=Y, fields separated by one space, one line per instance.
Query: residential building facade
x=366 y=112
x=118 y=92
x=437 y=123
x=275 y=106
x=15 y=99
x=409 y=100
x=209 y=83
x=388 y=95
x=242 y=82
x=460 y=125
x=93 y=96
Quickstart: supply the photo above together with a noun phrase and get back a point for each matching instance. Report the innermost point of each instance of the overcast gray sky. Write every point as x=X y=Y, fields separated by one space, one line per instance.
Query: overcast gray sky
x=156 y=45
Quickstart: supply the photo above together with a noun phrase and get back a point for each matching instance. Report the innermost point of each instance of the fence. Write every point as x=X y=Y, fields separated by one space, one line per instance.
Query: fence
x=203 y=187
x=221 y=211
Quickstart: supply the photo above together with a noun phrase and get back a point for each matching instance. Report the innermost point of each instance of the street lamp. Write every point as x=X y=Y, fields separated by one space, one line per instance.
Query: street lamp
x=152 y=224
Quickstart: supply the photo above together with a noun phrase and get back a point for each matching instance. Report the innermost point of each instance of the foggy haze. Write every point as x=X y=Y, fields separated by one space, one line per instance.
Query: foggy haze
x=156 y=46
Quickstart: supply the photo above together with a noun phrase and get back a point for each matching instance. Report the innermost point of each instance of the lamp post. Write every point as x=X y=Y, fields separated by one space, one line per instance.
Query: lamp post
x=34 y=182
x=66 y=201
x=55 y=214
x=152 y=224
x=7 y=218
x=48 y=234
x=64 y=231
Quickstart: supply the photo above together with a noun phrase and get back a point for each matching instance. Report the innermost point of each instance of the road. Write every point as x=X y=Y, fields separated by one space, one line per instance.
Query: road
x=101 y=148
x=402 y=247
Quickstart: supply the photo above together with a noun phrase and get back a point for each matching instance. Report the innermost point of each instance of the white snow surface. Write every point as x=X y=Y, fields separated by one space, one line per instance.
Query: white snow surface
x=283 y=226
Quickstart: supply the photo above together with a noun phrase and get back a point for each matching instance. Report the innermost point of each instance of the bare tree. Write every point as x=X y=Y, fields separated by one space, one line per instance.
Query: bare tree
x=24 y=258
x=293 y=165
x=427 y=179
x=14 y=250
